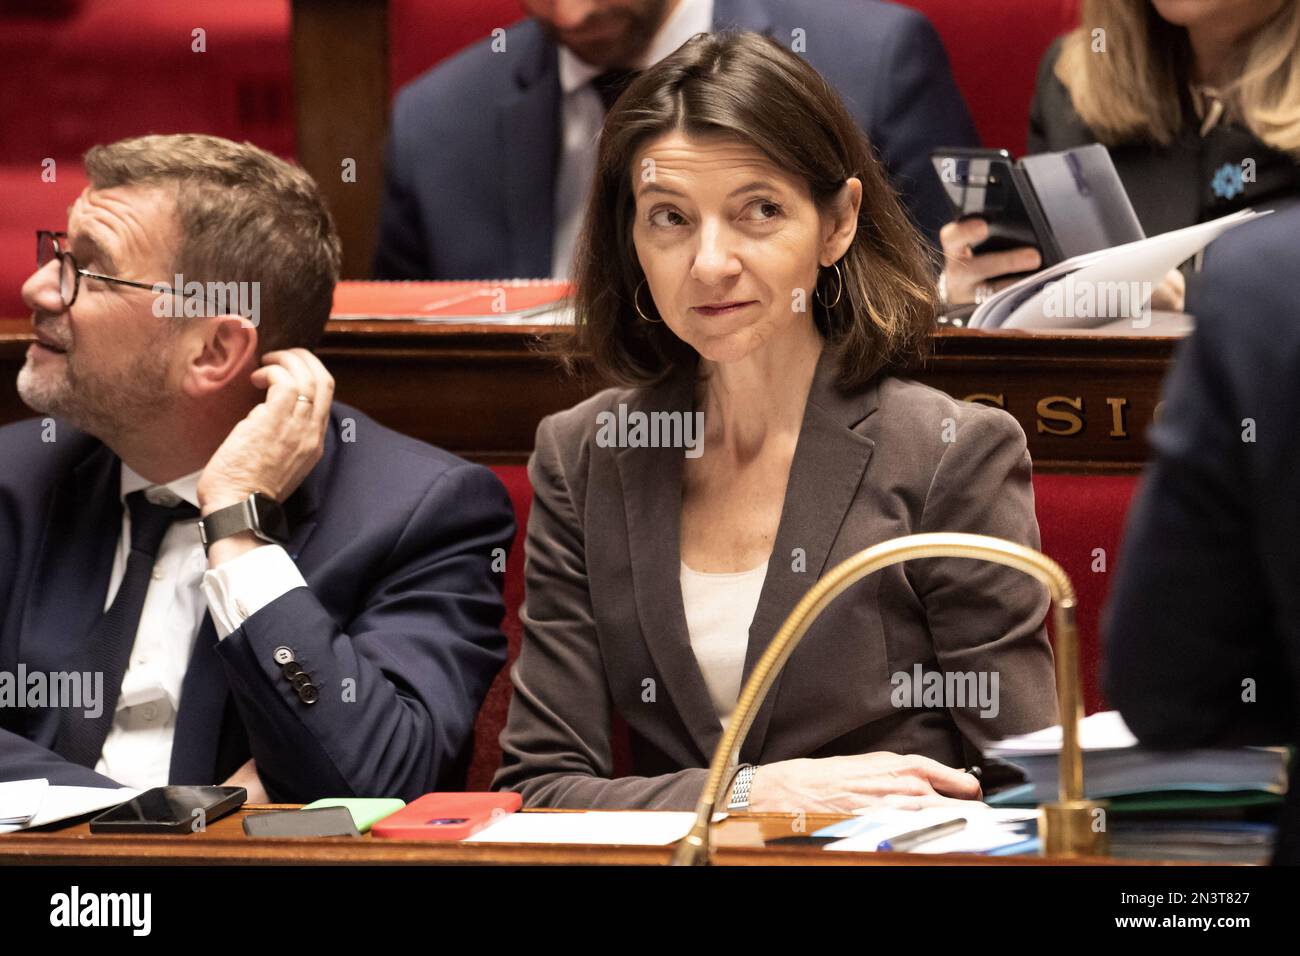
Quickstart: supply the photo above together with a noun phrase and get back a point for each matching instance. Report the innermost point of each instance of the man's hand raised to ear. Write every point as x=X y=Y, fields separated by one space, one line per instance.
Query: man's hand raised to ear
x=275 y=447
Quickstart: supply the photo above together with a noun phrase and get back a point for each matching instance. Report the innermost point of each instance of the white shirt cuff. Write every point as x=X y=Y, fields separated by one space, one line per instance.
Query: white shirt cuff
x=238 y=589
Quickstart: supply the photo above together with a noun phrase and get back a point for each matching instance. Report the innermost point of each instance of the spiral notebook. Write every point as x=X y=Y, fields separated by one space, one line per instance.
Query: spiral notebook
x=477 y=301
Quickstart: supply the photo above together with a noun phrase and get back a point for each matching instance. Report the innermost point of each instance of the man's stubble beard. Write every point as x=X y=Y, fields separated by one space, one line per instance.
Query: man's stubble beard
x=107 y=409
x=642 y=25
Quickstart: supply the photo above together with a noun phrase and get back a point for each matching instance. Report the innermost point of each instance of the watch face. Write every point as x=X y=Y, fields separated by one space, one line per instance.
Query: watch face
x=271 y=522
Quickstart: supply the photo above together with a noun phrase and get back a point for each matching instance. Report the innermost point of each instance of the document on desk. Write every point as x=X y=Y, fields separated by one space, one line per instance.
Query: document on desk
x=605 y=828
x=21 y=800
x=478 y=301
x=58 y=803
x=1096 y=289
x=986 y=829
x=1115 y=765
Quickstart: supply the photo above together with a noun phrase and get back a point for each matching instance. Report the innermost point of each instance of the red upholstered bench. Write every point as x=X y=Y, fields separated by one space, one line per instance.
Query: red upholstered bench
x=100 y=70
x=995 y=48
x=1077 y=515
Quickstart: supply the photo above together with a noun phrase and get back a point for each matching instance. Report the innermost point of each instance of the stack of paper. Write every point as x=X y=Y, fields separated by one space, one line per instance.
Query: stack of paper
x=984 y=830
x=1107 y=290
x=34 y=803
x=1204 y=841
x=1114 y=765
x=20 y=801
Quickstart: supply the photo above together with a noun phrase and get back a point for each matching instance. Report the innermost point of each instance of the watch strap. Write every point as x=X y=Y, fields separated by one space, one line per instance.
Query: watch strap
x=232 y=520
x=739 y=799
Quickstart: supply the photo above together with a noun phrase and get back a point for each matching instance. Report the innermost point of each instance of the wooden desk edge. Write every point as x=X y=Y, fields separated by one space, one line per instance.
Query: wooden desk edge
x=225 y=845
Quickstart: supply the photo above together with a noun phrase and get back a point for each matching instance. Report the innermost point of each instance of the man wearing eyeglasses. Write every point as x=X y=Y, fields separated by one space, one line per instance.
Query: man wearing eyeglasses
x=211 y=572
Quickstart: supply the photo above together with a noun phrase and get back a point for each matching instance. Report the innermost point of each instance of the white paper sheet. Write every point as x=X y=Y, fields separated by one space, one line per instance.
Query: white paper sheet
x=1118 y=272
x=986 y=828
x=20 y=800
x=645 y=828
x=63 y=803
x=1104 y=730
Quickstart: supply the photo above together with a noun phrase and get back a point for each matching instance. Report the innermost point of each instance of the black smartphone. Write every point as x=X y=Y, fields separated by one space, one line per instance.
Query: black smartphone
x=985 y=183
x=170 y=810
x=321 y=822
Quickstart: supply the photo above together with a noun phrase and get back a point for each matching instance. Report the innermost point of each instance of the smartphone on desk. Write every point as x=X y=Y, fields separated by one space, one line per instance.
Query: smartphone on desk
x=366 y=811
x=446 y=816
x=170 y=810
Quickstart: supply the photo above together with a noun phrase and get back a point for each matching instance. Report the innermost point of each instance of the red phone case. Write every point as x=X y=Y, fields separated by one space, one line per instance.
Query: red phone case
x=446 y=816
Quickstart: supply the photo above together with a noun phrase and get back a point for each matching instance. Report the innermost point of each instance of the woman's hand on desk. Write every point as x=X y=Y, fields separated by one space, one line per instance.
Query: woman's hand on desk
x=964 y=272
x=1170 y=294
x=845 y=784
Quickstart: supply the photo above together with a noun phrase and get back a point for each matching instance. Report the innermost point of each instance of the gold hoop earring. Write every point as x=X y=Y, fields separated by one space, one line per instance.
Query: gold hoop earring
x=636 y=304
x=839 y=289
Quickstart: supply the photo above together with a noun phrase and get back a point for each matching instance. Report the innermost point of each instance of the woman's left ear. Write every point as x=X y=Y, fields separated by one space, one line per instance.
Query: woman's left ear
x=841 y=221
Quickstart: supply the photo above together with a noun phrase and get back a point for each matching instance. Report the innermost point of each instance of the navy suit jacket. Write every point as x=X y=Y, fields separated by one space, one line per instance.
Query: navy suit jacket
x=395 y=539
x=1206 y=608
x=473 y=149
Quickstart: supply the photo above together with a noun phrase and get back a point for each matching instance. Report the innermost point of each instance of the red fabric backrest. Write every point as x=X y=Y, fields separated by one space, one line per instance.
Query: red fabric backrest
x=492 y=717
x=1077 y=514
x=1081 y=521
x=421 y=33
x=995 y=47
x=116 y=68
x=100 y=70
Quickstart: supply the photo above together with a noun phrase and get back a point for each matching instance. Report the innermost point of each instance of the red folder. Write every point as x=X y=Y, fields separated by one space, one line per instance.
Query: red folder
x=479 y=300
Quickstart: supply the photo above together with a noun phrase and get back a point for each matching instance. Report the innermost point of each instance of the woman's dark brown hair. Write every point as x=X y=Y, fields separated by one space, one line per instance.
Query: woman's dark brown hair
x=749 y=87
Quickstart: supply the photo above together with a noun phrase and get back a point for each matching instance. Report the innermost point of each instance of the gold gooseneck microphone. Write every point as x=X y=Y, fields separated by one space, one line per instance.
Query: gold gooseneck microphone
x=1067 y=827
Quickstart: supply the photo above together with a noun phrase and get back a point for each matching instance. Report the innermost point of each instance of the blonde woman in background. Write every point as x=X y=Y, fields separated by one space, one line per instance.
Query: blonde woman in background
x=1198 y=102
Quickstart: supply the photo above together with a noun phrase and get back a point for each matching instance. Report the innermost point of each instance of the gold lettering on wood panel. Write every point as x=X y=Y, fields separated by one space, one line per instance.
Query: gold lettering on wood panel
x=1117 y=428
x=988 y=398
x=1073 y=424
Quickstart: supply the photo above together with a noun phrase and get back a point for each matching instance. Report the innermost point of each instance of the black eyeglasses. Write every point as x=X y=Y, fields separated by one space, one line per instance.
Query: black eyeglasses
x=49 y=246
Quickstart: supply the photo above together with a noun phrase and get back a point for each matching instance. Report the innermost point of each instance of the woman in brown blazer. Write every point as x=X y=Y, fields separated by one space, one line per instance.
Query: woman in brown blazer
x=748 y=277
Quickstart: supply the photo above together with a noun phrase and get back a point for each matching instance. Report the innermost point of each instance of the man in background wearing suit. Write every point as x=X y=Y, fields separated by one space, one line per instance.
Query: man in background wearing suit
x=342 y=629
x=491 y=153
x=1202 y=634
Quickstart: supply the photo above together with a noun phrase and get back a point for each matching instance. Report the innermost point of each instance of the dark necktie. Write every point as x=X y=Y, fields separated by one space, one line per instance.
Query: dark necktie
x=611 y=83
x=81 y=738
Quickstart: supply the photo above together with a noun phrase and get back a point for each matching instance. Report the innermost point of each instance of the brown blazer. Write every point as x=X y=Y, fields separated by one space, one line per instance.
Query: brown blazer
x=605 y=631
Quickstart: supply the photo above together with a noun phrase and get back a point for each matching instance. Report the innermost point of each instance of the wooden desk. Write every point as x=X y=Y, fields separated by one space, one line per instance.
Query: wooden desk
x=224 y=843
x=1084 y=401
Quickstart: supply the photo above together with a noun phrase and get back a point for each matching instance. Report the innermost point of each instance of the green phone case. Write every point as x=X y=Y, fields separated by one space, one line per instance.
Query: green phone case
x=366 y=811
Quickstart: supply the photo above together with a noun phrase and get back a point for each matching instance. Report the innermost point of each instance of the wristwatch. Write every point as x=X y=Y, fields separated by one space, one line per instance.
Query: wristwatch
x=740 y=788
x=258 y=513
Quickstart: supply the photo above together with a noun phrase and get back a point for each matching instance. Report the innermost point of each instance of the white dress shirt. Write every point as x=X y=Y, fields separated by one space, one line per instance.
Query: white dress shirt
x=719 y=610
x=582 y=115
x=137 y=751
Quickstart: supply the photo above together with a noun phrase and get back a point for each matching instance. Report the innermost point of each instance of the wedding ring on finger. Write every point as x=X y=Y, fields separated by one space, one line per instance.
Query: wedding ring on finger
x=304 y=398
x=983 y=292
